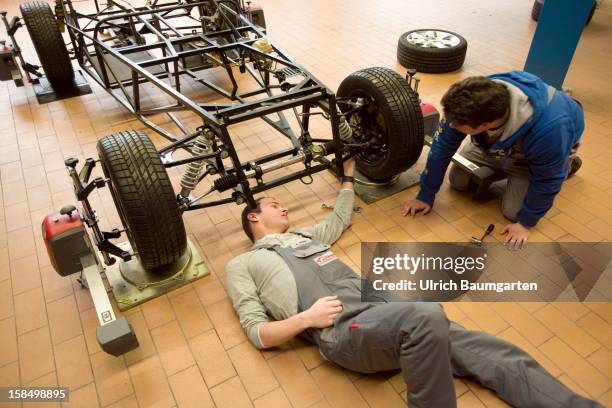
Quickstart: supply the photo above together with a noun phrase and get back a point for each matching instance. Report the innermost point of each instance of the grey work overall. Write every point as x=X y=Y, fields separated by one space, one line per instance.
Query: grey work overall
x=417 y=338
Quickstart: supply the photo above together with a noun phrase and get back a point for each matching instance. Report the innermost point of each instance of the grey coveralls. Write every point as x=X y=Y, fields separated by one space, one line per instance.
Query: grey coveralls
x=418 y=338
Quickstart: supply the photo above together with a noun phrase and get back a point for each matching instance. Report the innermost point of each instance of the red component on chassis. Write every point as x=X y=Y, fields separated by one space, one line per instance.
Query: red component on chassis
x=64 y=236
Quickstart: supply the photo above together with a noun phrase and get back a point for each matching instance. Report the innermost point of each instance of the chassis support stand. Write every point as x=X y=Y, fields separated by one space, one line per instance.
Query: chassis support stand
x=133 y=285
x=45 y=93
x=370 y=191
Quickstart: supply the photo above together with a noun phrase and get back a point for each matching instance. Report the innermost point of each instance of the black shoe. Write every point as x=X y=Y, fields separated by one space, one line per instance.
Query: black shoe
x=575 y=165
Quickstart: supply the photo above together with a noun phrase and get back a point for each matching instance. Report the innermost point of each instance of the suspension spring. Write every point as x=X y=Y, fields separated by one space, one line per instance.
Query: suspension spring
x=201 y=145
x=346 y=133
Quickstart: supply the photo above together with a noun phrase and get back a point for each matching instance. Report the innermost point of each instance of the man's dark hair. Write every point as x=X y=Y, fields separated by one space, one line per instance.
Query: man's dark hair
x=246 y=224
x=475 y=100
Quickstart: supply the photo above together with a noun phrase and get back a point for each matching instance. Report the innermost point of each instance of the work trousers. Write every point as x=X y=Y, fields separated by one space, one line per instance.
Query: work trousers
x=515 y=169
x=417 y=338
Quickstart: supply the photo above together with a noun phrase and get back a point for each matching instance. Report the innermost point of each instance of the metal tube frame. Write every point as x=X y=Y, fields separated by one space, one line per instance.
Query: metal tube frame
x=101 y=37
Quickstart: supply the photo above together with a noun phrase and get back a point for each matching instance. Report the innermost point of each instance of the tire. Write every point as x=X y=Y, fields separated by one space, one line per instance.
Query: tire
x=537 y=8
x=396 y=106
x=48 y=42
x=432 y=59
x=144 y=197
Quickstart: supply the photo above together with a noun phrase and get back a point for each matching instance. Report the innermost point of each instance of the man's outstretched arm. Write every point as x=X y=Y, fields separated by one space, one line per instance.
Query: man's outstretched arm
x=321 y=314
x=332 y=227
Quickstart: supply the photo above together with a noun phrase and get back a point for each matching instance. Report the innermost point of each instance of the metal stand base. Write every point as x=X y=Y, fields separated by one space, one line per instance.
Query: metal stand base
x=370 y=191
x=133 y=285
x=45 y=93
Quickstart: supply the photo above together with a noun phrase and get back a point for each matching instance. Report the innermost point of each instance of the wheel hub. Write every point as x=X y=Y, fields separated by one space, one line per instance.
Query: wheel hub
x=433 y=39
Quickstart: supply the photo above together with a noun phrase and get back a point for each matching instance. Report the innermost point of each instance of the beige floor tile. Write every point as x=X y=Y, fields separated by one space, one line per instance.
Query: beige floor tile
x=190 y=314
x=146 y=347
x=21 y=243
x=338 y=390
x=523 y=322
x=35 y=354
x=128 y=402
x=8 y=341
x=30 y=310
x=9 y=377
x=254 y=372
x=112 y=378
x=47 y=381
x=5 y=270
x=89 y=323
x=378 y=393
x=172 y=348
x=54 y=285
x=72 y=363
x=213 y=361
x=273 y=399
x=25 y=274
x=597 y=328
x=6 y=299
x=189 y=389
x=469 y=400
x=64 y=320
x=150 y=384
x=567 y=330
x=297 y=383
x=230 y=394
x=606 y=399
x=602 y=360
x=226 y=323
x=575 y=367
x=487 y=319
x=308 y=353
x=210 y=291
x=158 y=311
x=84 y=397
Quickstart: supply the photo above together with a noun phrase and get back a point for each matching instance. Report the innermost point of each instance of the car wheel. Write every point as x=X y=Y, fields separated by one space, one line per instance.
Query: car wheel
x=48 y=42
x=144 y=197
x=431 y=50
x=389 y=121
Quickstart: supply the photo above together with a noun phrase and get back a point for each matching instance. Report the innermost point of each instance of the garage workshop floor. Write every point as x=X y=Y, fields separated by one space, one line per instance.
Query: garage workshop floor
x=193 y=352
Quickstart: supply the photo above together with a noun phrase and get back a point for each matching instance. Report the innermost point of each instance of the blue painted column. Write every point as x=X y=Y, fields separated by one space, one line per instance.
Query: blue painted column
x=559 y=27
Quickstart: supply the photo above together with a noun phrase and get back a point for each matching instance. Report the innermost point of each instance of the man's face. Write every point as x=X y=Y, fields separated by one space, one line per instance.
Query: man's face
x=468 y=130
x=273 y=216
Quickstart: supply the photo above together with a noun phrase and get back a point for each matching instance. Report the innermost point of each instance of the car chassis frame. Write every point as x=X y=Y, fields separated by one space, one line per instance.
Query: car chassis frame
x=238 y=48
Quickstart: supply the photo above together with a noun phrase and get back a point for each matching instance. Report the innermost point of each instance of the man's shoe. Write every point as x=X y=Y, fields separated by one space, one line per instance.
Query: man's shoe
x=575 y=166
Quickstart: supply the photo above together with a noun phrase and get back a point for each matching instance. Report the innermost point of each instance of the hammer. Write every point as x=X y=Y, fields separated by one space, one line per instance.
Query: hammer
x=489 y=230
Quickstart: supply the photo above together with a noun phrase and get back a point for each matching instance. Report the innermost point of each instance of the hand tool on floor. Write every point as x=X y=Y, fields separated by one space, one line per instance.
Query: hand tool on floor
x=488 y=231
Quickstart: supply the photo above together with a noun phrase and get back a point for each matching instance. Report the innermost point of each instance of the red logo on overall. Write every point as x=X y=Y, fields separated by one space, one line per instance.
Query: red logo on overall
x=326 y=258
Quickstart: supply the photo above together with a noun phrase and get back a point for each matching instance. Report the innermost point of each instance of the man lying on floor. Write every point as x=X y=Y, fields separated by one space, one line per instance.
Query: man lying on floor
x=295 y=279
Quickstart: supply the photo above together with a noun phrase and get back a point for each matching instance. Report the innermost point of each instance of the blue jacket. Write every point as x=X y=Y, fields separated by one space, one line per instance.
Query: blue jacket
x=547 y=139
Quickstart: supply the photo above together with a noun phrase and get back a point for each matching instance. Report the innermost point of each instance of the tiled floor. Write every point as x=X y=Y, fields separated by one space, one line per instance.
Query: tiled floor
x=193 y=352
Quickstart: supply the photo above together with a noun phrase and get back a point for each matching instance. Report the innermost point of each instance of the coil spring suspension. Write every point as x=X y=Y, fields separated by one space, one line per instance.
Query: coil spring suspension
x=201 y=145
x=346 y=133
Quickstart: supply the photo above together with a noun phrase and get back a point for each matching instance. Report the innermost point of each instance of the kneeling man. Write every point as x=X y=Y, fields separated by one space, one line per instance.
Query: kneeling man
x=519 y=126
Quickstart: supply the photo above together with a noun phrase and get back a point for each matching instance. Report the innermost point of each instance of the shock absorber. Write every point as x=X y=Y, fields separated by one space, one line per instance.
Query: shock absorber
x=201 y=145
x=346 y=133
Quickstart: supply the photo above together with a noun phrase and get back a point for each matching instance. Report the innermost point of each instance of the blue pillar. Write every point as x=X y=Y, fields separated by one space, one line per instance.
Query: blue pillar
x=554 y=42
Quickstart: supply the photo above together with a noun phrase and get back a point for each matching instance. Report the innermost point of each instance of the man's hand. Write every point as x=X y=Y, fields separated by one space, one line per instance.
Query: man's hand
x=414 y=206
x=349 y=167
x=323 y=312
x=516 y=235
